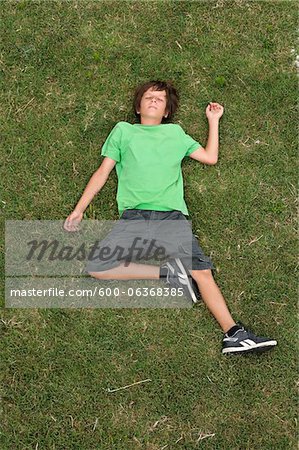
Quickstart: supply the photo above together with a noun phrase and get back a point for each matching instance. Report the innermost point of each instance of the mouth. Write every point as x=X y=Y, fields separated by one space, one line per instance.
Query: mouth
x=152 y=107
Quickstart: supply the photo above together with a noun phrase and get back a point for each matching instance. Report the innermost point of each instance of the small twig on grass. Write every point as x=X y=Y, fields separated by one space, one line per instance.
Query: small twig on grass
x=244 y=143
x=162 y=420
x=10 y=322
x=241 y=81
x=179 y=439
x=255 y=239
x=283 y=421
x=24 y=107
x=129 y=385
x=74 y=169
x=279 y=304
x=95 y=424
x=137 y=440
x=204 y=436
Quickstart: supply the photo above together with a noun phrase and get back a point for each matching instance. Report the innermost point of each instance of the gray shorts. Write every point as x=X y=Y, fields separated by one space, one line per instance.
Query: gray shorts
x=168 y=230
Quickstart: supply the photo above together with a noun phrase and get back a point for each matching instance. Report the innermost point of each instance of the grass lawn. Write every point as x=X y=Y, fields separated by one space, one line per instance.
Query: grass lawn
x=68 y=71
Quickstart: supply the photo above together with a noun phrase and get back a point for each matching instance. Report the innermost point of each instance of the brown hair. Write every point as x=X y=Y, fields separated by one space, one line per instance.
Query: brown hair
x=172 y=97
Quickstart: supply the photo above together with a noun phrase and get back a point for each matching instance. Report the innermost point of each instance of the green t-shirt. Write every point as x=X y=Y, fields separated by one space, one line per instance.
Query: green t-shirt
x=148 y=165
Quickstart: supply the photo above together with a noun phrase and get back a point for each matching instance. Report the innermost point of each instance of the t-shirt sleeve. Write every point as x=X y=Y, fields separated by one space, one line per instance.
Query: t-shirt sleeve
x=189 y=144
x=112 y=145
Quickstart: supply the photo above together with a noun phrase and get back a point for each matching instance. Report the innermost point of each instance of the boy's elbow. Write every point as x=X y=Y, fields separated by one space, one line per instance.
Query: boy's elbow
x=211 y=160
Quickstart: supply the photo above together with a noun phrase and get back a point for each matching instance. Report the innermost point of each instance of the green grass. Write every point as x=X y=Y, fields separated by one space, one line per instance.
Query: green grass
x=68 y=70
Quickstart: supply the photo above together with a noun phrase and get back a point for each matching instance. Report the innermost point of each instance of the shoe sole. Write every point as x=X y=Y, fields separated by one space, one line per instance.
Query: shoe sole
x=183 y=270
x=260 y=348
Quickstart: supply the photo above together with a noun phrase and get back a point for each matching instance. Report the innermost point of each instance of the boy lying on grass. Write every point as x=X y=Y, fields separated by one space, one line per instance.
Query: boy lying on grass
x=148 y=157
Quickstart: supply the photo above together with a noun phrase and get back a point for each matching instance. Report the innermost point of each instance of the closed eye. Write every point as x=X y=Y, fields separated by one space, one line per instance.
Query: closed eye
x=149 y=98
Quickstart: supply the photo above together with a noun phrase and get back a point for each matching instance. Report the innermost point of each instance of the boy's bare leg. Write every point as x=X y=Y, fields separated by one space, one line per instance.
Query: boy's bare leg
x=209 y=290
x=131 y=272
x=213 y=298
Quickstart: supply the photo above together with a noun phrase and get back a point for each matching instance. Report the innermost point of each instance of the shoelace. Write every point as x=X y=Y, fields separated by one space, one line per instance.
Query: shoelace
x=168 y=276
x=168 y=273
x=250 y=333
x=241 y=326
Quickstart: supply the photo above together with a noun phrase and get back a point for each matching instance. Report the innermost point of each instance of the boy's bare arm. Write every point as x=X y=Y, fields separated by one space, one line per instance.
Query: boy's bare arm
x=209 y=155
x=95 y=184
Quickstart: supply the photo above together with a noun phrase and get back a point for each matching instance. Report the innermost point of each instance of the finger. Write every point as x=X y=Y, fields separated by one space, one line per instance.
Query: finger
x=69 y=225
x=72 y=229
x=73 y=226
x=66 y=225
x=69 y=228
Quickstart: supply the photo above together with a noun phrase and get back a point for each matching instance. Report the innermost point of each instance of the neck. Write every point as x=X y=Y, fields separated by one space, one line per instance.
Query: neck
x=145 y=120
x=150 y=122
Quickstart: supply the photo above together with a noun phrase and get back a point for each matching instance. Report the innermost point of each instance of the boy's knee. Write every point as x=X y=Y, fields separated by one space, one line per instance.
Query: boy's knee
x=204 y=275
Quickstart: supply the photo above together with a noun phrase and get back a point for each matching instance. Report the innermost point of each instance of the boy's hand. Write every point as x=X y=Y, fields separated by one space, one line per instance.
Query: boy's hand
x=214 y=111
x=72 y=221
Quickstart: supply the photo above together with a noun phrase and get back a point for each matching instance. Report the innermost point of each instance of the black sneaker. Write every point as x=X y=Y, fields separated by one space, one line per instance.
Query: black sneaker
x=178 y=276
x=245 y=341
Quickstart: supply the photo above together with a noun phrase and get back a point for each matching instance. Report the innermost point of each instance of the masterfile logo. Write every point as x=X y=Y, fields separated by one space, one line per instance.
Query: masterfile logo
x=47 y=266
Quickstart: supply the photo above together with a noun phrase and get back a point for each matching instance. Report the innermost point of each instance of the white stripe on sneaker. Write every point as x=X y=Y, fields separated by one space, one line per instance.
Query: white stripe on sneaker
x=248 y=342
x=170 y=267
x=186 y=279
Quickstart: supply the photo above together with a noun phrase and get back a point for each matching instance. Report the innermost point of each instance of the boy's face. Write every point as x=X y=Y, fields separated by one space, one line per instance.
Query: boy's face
x=153 y=104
